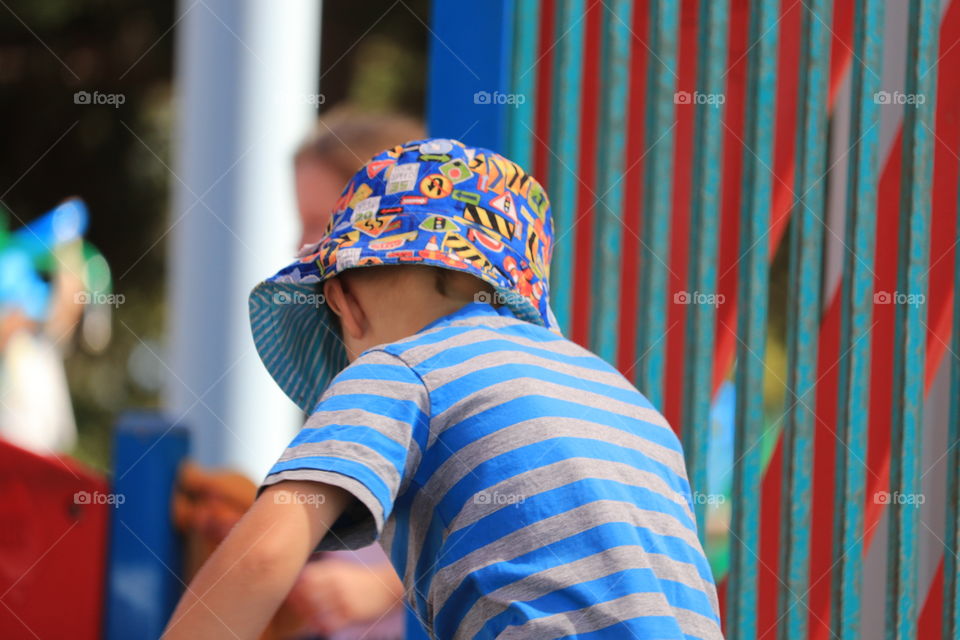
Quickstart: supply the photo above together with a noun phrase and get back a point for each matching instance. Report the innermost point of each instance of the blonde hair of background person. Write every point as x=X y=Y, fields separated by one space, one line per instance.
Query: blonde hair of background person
x=342 y=141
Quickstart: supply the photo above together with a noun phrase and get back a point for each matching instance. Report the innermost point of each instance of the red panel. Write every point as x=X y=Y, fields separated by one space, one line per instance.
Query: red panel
x=633 y=194
x=930 y=622
x=52 y=550
x=731 y=189
x=586 y=201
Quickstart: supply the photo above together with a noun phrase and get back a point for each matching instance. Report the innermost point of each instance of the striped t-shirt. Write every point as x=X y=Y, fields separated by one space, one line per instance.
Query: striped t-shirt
x=522 y=487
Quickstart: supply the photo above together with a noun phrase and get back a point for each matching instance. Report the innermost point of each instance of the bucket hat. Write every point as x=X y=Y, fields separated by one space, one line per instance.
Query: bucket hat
x=431 y=202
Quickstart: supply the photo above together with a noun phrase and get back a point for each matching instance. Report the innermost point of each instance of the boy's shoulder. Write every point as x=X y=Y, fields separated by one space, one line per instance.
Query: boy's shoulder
x=477 y=332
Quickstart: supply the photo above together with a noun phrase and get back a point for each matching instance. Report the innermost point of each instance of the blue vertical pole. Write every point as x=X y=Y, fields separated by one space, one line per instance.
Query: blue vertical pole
x=910 y=319
x=803 y=316
x=144 y=556
x=614 y=85
x=469 y=76
x=523 y=83
x=754 y=275
x=704 y=230
x=853 y=395
x=564 y=142
x=657 y=200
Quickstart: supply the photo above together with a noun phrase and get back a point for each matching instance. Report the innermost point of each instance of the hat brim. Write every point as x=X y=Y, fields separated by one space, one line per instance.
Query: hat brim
x=298 y=341
x=298 y=337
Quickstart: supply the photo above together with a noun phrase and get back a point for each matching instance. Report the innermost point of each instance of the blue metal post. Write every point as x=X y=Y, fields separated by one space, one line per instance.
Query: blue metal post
x=523 y=71
x=704 y=230
x=469 y=82
x=803 y=317
x=614 y=85
x=760 y=102
x=658 y=197
x=910 y=325
x=853 y=394
x=564 y=142
x=143 y=579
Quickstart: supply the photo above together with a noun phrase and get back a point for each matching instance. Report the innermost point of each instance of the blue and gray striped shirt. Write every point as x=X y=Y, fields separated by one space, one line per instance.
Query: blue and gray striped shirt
x=522 y=487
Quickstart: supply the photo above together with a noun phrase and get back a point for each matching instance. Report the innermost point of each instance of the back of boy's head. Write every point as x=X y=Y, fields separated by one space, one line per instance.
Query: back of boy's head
x=434 y=203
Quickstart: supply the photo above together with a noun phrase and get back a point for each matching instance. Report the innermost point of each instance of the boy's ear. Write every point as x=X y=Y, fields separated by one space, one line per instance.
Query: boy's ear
x=344 y=304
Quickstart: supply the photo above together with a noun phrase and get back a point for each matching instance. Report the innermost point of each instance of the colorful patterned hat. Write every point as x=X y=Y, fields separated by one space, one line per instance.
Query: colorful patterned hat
x=431 y=202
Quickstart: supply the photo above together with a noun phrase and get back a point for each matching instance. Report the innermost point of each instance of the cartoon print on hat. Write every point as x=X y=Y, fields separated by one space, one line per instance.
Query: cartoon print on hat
x=433 y=202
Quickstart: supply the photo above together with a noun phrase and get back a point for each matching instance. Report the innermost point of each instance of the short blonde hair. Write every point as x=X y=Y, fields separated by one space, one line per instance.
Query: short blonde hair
x=345 y=138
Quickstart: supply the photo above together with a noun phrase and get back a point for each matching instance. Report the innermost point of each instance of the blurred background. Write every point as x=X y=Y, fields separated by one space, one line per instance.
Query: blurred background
x=118 y=158
x=177 y=124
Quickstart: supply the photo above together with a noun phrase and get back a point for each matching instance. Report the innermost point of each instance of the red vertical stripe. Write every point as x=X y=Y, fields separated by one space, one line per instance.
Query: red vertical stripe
x=633 y=193
x=583 y=229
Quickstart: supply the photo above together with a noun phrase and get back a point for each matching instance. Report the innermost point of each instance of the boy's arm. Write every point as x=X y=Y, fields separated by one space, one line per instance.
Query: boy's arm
x=240 y=587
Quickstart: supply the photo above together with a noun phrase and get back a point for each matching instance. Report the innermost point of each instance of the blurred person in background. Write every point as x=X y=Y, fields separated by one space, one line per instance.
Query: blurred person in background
x=341 y=595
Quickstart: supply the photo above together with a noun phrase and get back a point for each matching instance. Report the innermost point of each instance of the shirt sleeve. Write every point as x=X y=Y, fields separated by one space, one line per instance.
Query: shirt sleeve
x=365 y=436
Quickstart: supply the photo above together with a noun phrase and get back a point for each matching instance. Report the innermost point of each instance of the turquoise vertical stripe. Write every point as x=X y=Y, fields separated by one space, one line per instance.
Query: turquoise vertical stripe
x=803 y=317
x=614 y=85
x=658 y=197
x=564 y=151
x=704 y=231
x=910 y=328
x=853 y=394
x=759 y=118
x=523 y=73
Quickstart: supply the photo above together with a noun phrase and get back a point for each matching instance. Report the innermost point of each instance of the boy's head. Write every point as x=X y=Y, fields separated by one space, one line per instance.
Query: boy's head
x=422 y=229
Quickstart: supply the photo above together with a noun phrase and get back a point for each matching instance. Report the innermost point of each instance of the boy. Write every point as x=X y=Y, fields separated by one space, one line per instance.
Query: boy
x=522 y=487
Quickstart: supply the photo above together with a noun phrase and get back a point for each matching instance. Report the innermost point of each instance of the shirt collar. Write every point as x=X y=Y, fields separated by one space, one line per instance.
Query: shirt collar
x=469 y=311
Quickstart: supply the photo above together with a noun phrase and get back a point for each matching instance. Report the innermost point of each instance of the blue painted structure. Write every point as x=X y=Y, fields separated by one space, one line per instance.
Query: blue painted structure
x=144 y=572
